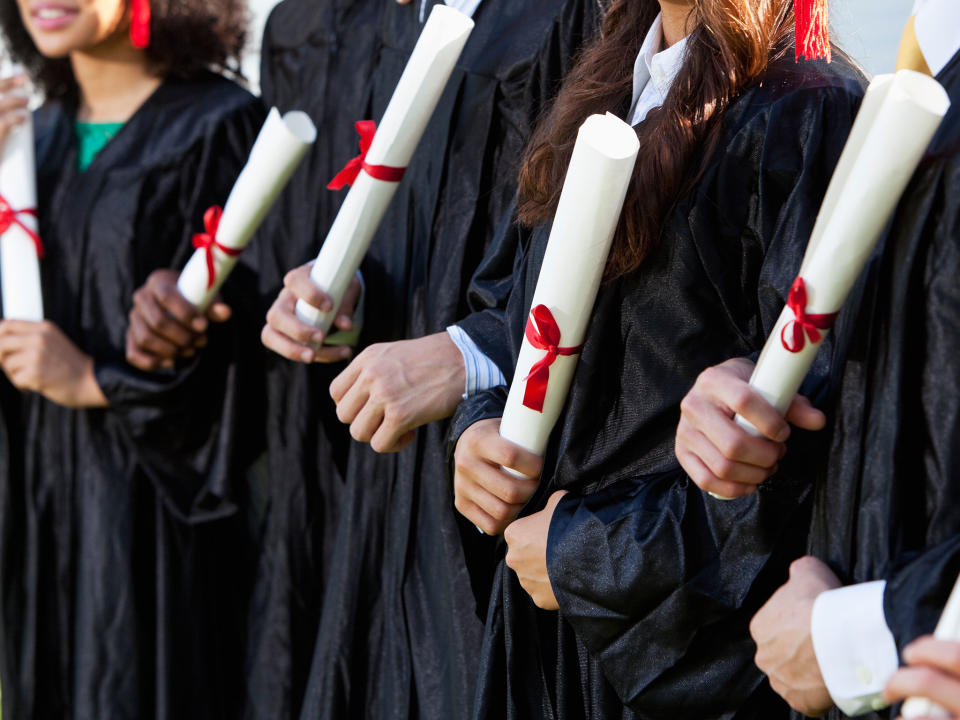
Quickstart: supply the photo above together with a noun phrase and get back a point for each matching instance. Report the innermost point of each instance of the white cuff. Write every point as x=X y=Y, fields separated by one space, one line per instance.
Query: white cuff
x=855 y=648
x=352 y=336
x=482 y=373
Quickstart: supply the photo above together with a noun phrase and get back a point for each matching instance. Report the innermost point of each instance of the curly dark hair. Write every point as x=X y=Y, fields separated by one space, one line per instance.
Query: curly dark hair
x=187 y=37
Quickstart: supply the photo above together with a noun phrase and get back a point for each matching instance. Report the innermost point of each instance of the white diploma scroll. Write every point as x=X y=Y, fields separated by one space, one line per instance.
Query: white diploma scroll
x=404 y=121
x=587 y=216
x=898 y=119
x=19 y=260
x=947 y=629
x=278 y=150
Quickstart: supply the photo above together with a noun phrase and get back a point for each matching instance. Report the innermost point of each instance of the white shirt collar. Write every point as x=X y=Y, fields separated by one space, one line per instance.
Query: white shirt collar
x=937 y=24
x=654 y=70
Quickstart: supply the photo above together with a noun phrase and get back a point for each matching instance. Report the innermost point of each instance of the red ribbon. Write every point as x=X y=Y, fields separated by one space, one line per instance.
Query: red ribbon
x=8 y=217
x=207 y=241
x=803 y=323
x=366 y=129
x=140 y=23
x=543 y=333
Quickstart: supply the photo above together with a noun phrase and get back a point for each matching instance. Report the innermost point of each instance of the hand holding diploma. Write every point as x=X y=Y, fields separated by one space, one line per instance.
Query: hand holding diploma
x=278 y=150
x=20 y=245
x=385 y=152
x=587 y=215
x=899 y=117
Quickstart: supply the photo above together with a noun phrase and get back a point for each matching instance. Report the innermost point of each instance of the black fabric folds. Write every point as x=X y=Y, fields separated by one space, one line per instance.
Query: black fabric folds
x=657 y=583
x=400 y=631
x=319 y=57
x=887 y=507
x=121 y=565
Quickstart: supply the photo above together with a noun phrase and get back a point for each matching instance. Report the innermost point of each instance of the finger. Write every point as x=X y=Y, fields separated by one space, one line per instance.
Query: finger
x=12 y=81
x=13 y=101
x=19 y=327
x=282 y=317
x=924 y=682
x=219 y=312
x=143 y=360
x=710 y=483
x=284 y=346
x=804 y=415
x=506 y=454
x=509 y=489
x=299 y=283
x=937 y=653
x=353 y=402
x=332 y=354
x=502 y=513
x=345 y=380
x=366 y=423
x=348 y=305
x=723 y=467
x=10 y=344
x=739 y=398
x=404 y=442
x=152 y=342
x=477 y=516
x=728 y=438
x=161 y=323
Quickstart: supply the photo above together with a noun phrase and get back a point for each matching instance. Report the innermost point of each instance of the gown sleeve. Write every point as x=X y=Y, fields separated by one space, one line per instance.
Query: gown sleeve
x=652 y=563
x=187 y=424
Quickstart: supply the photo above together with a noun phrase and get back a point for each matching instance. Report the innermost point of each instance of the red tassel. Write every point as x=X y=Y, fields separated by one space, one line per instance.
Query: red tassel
x=140 y=23
x=812 y=30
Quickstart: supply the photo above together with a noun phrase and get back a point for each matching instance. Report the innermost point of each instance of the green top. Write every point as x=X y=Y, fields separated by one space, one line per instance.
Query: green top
x=91 y=139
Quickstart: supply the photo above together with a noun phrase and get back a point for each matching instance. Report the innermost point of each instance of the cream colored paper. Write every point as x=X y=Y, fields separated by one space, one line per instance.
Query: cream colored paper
x=899 y=117
x=583 y=228
x=22 y=297
x=278 y=150
x=947 y=629
x=398 y=133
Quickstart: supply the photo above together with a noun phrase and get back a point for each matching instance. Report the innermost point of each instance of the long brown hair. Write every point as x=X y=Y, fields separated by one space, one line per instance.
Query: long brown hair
x=732 y=45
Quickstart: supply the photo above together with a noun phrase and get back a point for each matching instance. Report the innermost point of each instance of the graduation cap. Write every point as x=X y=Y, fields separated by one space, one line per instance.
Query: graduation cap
x=812 y=29
x=140 y=23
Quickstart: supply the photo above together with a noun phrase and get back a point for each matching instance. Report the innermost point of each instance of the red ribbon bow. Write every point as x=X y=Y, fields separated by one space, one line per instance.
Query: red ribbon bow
x=366 y=129
x=8 y=217
x=543 y=333
x=803 y=323
x=140 y=23
x=207 y=241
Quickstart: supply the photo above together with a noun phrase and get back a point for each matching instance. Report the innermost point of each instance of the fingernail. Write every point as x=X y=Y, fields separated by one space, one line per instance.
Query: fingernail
x=307 y=356
x=343 y=320
x=783 y=434
x=317 y=338
x=908 y=653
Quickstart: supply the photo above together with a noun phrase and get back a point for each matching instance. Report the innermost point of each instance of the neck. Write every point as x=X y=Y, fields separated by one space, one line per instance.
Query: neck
x=677 y=16
x=114 y=80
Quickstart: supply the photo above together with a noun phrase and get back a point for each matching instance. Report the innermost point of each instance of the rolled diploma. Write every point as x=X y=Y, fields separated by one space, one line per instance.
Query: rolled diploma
x=587 y=215
x=898 y=119
x=404 y=121
x=276 y=153
x=19 y=265
x=947 y=629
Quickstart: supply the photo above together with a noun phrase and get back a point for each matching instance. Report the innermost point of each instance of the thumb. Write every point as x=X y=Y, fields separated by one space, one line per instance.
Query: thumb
x=805 y=416
x=219 y=312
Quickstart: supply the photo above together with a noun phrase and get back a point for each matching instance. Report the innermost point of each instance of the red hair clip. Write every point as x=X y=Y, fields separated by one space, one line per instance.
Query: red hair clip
x=140 y=23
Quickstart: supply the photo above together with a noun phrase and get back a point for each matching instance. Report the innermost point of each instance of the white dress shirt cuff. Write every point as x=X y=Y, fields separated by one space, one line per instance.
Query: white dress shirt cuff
x=482 y=372
x=855 y=648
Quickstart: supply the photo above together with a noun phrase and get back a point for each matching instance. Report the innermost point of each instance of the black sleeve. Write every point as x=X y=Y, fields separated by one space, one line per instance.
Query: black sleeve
x=654 y=562
x=194 y=425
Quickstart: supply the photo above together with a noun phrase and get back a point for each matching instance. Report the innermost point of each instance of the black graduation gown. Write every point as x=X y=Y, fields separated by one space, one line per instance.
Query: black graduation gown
x=399 y=629
x=887 y=506
x=122 y=582
x=657 y=582
x=318 y=56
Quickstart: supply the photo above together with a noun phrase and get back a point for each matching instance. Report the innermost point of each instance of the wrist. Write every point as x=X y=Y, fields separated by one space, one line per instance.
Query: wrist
x=90 y=394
